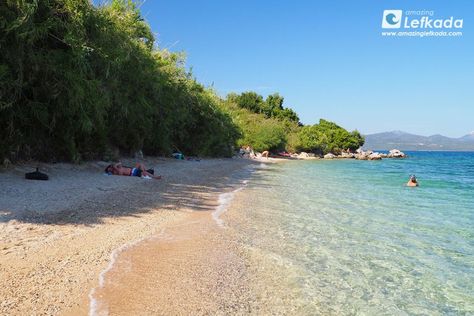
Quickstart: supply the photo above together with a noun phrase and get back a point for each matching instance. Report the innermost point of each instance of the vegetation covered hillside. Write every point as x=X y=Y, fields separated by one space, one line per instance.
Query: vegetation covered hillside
x=78 y=82
x=268 y=125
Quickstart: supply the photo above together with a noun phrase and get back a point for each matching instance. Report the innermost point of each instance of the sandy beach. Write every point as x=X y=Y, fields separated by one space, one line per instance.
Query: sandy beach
x=62 y=240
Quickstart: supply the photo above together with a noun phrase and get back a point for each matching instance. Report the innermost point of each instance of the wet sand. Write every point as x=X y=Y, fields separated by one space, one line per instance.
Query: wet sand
x=204 y=265
x=189 y=268
x=58 y=236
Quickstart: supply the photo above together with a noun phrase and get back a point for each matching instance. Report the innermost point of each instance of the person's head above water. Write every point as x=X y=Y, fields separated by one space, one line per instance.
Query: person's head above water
x=412 y=182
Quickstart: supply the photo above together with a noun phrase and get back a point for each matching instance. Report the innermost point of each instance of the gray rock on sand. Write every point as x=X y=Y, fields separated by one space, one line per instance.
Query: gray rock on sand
x=329 y=156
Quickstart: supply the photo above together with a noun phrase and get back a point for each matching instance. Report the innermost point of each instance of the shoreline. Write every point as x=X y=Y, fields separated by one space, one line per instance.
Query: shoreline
x=55 y=245
x=61 y=238
x=165 y=253
x=129 y=283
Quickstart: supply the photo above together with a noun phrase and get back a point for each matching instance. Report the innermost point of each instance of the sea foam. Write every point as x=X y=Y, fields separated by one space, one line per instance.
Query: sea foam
x=95 y=308
x=224 y=201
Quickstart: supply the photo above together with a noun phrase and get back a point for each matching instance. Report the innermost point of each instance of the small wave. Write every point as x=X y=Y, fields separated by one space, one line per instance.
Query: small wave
x=224 y=201
x=94 y=304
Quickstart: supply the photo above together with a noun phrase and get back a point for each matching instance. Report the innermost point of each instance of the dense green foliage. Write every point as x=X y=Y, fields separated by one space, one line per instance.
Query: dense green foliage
x=272 y=107
x=267 y=125
x=327 y=137
x=78 y=82
x=258 y=131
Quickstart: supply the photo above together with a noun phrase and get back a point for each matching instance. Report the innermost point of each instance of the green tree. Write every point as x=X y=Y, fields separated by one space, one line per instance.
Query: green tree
x=273 y=104
x=328 y=137
x=250 y=101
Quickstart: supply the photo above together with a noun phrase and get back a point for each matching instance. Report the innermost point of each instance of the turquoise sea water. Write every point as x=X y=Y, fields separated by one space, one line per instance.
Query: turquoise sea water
x=354 y=240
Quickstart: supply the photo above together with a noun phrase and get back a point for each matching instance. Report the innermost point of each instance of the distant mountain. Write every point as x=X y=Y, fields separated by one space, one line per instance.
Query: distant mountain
x=468 y=137
x=405 y=141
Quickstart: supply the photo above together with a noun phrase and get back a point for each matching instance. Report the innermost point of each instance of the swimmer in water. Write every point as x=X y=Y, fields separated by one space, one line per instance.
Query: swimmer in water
x=412 y=182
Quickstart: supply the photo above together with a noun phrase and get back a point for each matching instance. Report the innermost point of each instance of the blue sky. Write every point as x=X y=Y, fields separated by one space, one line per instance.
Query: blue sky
x=328 y=59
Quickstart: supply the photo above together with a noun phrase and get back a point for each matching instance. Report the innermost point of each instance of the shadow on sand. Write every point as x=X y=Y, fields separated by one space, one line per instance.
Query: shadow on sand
x=198 y=192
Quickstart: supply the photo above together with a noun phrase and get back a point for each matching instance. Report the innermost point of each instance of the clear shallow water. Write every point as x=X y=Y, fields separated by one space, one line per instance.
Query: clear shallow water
x=350 y=238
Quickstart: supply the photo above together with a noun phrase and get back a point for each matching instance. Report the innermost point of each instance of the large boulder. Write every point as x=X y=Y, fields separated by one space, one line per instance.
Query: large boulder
x=303 y=155
x=329 y=156
x=395 y=153
x=375 y=156
x=363 y=155
x=346 y=155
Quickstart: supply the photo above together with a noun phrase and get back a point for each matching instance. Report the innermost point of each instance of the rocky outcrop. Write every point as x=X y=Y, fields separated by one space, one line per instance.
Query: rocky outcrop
x=329 y=156
x=346 y=155
x=359 y=155
x=363 y=155
x=370 y=155
x=395 y=153
x=375 y=156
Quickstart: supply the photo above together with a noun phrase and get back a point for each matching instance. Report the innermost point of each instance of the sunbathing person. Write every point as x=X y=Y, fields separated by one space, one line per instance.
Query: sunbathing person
x=138 y=171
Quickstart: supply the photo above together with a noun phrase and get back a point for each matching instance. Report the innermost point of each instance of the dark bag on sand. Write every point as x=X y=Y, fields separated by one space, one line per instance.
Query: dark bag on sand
x=36 y=175
x=151 y=171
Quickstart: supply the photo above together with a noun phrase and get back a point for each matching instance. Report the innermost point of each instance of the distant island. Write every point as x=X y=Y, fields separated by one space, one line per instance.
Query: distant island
x=407 y=141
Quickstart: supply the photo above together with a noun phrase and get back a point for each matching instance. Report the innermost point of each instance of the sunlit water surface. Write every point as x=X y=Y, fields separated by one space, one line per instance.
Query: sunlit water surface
x=349 y=238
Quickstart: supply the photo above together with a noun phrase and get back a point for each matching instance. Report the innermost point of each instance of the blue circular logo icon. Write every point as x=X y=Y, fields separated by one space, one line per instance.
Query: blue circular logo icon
x=390 y=18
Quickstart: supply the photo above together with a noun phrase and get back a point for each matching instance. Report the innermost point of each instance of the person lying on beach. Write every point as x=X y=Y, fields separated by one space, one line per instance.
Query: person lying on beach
x=265 y=154
x=412 y=182
x=138 y=171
